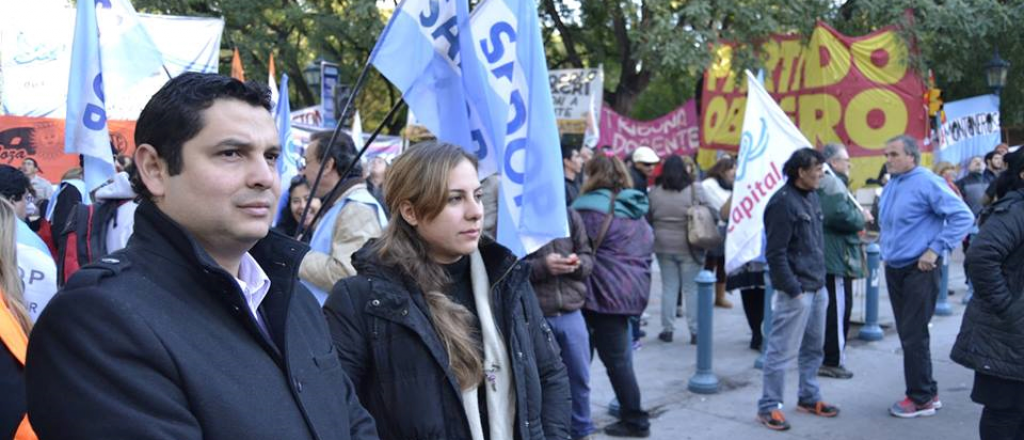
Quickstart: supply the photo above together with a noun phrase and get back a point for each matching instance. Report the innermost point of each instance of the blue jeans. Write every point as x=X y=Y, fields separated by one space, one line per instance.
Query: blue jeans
x=571 y=333
x=678 y=272
x=798 y=327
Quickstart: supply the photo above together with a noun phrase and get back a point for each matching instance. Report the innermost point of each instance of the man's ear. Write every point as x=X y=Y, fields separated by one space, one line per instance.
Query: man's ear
x=152 y=169
x=408 y=213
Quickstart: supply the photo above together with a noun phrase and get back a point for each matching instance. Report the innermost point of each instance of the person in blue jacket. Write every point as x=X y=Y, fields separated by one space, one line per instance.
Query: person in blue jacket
x=920 y=219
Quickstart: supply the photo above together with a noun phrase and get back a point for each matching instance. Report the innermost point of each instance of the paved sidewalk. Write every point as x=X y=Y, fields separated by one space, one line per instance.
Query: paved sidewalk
x=664 y=370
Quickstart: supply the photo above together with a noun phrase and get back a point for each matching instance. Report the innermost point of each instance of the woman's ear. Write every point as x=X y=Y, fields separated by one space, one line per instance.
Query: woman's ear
x=408 y=213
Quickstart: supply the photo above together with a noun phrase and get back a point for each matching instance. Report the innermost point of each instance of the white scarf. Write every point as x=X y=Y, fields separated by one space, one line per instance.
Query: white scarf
x=501 y=396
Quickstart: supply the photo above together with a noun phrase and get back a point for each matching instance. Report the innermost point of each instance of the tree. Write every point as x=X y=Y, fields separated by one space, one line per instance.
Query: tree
x=639 y=41
x=298 y=31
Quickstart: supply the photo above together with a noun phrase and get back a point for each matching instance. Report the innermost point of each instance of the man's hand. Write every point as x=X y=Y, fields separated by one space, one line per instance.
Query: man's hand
x=927 y=261
x=559 y=265
x=867 y=216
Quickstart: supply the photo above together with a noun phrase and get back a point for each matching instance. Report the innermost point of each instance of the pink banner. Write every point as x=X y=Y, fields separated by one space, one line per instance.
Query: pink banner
x=675 y=133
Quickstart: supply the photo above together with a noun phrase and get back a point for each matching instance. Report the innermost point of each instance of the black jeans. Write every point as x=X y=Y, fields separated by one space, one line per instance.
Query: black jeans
x=912 y=294
x=609 y=334
x=1003 y=416
x=753 y=308
x=835 y=338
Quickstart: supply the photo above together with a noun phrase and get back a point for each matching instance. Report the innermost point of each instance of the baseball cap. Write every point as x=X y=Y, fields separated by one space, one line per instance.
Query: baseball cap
x=645 y=155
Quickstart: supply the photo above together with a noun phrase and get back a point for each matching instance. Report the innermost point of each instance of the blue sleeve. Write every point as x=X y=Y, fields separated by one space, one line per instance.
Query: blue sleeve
x=958 y=216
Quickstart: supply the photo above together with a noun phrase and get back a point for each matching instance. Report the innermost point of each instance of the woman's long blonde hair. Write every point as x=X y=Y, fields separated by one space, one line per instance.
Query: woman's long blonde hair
x=420 y=177
x=10 y=281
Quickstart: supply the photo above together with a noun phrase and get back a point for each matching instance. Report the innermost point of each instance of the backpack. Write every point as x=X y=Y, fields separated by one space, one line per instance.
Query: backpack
x=83 y=237
x=701 y=225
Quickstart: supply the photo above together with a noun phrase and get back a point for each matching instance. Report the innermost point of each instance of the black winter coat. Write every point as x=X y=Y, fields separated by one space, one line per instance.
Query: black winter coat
x=991 y=339
x=156 y=341
x=795 y=247
x=383 y=332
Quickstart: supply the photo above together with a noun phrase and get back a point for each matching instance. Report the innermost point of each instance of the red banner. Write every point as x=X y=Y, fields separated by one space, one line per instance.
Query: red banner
x=43 y=140
x=859 y=91
x=675 y=133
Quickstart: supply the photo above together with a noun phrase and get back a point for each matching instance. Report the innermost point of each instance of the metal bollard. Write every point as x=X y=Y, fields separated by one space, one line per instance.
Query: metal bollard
x=766 y=325
x=704 y=380
x=871 y=331
x=942 y=307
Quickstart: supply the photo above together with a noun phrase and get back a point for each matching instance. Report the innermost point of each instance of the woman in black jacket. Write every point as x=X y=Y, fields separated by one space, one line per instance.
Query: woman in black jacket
x=441 y=332
x=991 y=339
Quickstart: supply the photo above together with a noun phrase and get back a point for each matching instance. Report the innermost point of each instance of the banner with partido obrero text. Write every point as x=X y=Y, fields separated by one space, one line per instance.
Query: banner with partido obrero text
x=858 y=91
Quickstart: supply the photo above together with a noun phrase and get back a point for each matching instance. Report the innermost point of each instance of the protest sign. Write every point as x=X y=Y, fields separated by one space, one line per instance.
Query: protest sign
x=971 y=129
x=675 y=133
x=859 y=91
x=578 y=99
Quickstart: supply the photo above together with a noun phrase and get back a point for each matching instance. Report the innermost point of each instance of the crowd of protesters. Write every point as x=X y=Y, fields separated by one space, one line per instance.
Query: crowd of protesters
x=182 y=314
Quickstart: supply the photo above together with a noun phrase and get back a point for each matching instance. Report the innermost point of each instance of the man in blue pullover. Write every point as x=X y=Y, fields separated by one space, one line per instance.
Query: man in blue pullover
x=920 y=219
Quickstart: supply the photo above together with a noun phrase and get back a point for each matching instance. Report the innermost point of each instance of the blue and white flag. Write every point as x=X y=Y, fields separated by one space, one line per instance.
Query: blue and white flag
x=531 y=210
x=108 y=37
x=419 y=53
x=288 y=161
x=494 y=101
x=769 y=138
x=971 y=129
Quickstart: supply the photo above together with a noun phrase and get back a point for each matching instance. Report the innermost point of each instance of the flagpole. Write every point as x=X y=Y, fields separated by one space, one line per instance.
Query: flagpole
x=334 y=136
x=305 y=211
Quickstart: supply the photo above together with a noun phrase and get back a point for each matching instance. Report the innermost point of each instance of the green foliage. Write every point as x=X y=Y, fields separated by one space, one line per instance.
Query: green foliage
x=297 y=31
x=653 y=51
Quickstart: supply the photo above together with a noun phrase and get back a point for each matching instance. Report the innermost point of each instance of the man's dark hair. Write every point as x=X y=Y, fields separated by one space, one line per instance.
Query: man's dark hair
x=174 y=115
x=802 y=159
x=343 y=151
x=673 y=174
x=13 y=183
x=568 y=149
x=989 y=156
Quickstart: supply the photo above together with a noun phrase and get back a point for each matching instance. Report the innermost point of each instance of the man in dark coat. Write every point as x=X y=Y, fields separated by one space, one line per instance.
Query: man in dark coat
x=795 y=250
x=991 y=339
x=197 y=329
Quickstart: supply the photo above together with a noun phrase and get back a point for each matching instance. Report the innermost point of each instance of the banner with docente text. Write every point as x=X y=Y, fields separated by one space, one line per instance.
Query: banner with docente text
x=675 y=133
x=859 y=91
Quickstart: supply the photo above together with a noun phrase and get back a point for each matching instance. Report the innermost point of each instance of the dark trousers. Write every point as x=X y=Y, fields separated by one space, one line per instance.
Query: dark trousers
x=609 y=335
x=1002 y=424
x=753 y=308
x=912 y=294
x=837 y=319
x=1003 y=415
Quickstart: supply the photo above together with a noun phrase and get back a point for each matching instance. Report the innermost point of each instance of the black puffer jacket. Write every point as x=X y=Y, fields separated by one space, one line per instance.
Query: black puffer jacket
x=991 y=339
x=382 y=330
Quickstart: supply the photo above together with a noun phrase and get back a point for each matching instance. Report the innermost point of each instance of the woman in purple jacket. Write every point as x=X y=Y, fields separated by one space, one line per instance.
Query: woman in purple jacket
x=620 y=283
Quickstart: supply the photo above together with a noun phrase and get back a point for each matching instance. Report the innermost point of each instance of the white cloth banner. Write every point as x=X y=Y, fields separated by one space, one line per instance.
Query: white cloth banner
x=769 y=138
x=35 y=58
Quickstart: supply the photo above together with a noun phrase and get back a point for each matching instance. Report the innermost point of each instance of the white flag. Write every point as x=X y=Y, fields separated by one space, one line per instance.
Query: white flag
x=769 y=138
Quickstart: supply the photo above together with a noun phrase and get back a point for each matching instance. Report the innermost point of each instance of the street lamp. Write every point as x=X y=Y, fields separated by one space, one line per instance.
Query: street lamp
x=312 y=76
x=995 y=73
